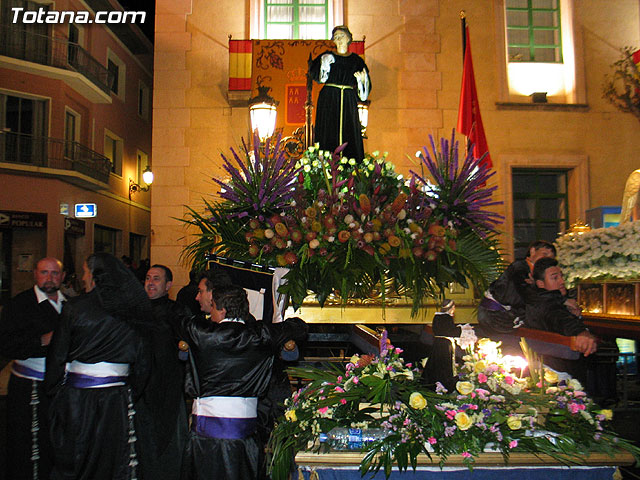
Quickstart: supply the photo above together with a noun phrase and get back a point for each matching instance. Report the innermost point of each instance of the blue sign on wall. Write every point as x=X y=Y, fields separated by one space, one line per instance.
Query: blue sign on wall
x=86 y=210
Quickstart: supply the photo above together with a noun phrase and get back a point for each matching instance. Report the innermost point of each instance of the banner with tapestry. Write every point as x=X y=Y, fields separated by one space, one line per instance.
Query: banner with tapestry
x=281 y=65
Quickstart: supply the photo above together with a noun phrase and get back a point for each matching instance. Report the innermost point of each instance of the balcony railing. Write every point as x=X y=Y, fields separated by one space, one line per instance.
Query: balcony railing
x=53 y=153
x=53 y=52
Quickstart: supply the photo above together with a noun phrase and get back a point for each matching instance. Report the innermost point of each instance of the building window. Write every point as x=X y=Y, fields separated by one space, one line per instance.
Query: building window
x=296 y=19
x=104 y=239
x=73 y=47
x=540 y=206
x=537 y=56
x=118 y=71
x=142 y=163
x=143 y=101
x=534 y=31
x=113 y=150
x=24 y=122
x=71 y=132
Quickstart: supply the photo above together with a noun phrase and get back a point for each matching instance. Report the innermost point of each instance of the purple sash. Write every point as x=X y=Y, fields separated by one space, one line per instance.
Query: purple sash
x=23 y=371
x=227 y=428
x=79 y=380
x=492 y=305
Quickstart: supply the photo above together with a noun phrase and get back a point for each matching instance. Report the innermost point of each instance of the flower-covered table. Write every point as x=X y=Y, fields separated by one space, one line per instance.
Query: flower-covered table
x=345 y=465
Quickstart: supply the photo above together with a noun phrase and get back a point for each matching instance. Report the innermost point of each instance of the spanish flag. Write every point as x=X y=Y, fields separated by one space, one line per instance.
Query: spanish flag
x=240 y=64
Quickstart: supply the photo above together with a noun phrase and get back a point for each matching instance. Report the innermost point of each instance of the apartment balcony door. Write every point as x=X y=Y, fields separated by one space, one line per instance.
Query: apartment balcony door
x=22 y=130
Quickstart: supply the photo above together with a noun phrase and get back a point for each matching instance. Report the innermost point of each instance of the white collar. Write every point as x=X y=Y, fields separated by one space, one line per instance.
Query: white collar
x=41 y=297
x=236 y=320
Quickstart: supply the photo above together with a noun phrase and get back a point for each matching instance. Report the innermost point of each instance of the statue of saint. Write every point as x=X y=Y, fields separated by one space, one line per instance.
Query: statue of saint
x=346 y=79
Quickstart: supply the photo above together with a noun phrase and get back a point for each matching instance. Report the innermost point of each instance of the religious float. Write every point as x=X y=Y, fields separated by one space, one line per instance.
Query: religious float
x=347 y=231
x=604 y=265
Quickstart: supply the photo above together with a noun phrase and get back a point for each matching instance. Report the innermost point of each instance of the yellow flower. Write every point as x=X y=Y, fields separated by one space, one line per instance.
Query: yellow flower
x=417 y=401
x=463 y=421
x=514 y=422
x=354 y=359
x=290 y=415
x=464 y=388
x=480 y=366
x=550 y=376
x=608 y=414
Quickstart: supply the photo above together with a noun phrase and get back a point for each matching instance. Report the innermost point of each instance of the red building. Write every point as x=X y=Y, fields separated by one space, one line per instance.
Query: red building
x=75 y=128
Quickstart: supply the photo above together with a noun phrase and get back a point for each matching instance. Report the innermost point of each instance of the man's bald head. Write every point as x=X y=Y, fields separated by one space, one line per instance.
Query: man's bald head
x=48 y=275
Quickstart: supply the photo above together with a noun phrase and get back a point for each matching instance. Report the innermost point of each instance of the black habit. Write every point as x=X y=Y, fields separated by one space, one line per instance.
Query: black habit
x=23 y=322
x=231 y=359
x=337 y=119
x=92 y=429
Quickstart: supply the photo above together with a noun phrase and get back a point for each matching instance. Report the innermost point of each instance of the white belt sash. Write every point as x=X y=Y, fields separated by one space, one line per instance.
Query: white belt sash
x=224 y=417
x=30 y=368
x=96 y=375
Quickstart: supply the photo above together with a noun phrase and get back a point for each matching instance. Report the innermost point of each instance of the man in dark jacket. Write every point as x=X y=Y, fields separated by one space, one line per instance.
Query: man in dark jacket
x=26 y=328
x=234 y=361
x=163 y=399
x=503 y=307
x=548 y=308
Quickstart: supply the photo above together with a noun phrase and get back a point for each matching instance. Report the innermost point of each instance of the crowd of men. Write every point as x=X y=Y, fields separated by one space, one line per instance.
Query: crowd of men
x=98 y=388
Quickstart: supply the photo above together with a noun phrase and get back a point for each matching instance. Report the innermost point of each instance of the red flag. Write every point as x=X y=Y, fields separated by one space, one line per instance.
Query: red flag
x=469 y=119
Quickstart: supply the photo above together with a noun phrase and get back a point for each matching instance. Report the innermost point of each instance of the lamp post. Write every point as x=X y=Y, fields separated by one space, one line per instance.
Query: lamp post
x=147 y=178
x=262 y=109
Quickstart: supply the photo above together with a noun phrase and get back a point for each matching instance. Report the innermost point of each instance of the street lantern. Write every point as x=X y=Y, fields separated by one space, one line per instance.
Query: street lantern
x=262 y=109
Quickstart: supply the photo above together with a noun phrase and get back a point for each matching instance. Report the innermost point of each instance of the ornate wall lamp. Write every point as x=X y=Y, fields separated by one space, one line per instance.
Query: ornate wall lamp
x=262 y=109
x=147 y=178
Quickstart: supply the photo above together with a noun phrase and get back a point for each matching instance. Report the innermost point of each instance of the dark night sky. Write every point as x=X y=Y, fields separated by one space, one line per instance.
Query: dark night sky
x=147 y=5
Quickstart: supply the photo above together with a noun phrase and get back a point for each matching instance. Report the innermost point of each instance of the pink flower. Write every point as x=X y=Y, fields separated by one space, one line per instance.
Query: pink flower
x=343 y=401
x=409 y=365
x=432 y=440
x=399 y=350
x=323 y=410
x=339 y=379
x=356 y=380
x=574 y=407
x=340 y=389
x=482 y=378
x=466 y=455
x=513 y=443
x=509 y=380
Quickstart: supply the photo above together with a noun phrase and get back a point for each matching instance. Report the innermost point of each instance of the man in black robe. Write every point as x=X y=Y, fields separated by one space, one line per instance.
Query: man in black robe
x=163 y=399
x=346 y=79
x=548 y=308
x=232 y=362
x=26 y=328
x=97 y=367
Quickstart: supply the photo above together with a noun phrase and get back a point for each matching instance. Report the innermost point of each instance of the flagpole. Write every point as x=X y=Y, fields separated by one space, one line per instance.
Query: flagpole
x=463 y=25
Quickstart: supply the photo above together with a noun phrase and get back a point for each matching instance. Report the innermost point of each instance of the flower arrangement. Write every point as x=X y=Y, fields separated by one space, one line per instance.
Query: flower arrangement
x=603 y=253
x=493 y=409
x=346 y=228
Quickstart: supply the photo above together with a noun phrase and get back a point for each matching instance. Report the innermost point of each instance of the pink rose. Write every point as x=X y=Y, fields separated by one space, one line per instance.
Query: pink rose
x=482 y=378
x=509 y=380
x=513 y=443
x=432 y=440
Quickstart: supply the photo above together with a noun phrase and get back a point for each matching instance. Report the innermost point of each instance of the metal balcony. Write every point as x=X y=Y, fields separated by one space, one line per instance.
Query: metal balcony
x=54 y=52
x=61 y=156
